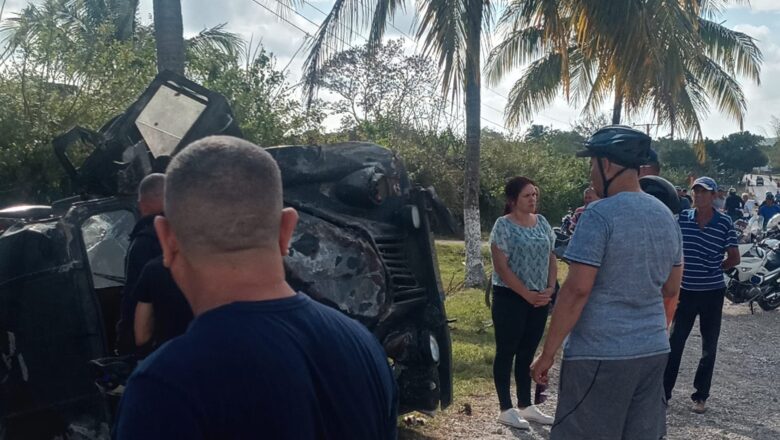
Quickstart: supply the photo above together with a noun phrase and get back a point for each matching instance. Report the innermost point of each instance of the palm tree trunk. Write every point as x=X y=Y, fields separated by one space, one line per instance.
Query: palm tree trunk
x=617 y=109
x=475 y=272
x=169 y=35
x=125 y=18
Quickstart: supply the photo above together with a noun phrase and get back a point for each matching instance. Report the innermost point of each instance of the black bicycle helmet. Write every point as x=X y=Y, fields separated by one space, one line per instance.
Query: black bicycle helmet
x=619 y=144
x=662 y=190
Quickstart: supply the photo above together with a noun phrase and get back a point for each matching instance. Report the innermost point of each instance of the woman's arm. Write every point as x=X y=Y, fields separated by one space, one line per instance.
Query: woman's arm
x=501 y=266
x=552 y=272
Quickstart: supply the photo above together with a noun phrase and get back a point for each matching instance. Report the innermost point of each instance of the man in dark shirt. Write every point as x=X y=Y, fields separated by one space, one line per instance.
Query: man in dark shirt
x=260 y=360
x=144 y=246
x=684 y=202
x=162 y=312
x=734 y=205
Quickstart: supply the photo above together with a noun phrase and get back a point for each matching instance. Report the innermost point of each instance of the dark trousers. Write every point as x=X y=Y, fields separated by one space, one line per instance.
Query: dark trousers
x=708 y=305
x=519 y=327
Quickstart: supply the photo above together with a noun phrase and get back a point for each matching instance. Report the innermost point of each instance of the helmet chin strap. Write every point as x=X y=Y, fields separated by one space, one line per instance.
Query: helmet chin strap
x=606 y=182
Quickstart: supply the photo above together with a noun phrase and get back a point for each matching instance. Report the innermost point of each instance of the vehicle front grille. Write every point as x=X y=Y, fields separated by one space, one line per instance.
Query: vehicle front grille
x=403 y=283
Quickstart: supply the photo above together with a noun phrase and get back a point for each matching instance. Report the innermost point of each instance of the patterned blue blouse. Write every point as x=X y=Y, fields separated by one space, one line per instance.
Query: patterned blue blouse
x=527 y=250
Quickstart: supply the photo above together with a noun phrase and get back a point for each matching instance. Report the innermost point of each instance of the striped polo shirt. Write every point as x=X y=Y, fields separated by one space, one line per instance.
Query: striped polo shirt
x=705 y=249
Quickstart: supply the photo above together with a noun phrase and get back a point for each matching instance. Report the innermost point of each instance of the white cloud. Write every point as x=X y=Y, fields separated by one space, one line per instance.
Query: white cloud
x=762 y=5
x=761 y=32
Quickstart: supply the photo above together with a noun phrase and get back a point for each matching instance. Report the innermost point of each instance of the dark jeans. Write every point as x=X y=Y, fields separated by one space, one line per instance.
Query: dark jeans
x=708 y=305
x=519 y=327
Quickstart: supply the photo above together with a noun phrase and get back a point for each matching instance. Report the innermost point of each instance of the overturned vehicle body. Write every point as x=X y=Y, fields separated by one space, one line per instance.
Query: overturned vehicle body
x=363 y=246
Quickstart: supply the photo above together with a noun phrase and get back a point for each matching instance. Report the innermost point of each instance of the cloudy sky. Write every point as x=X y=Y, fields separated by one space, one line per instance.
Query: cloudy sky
x=761 y=20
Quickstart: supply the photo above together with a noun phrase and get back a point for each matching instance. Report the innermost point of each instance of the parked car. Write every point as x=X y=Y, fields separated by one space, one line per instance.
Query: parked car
x=363 y=246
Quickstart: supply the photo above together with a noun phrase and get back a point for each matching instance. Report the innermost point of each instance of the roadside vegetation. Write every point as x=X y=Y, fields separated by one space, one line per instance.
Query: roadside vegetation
x=473 y=345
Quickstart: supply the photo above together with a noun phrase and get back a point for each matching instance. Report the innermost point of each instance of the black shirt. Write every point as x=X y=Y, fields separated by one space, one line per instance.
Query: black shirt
x=172 y=312
x=281 y=369
x=734 y=205
x=144 y=246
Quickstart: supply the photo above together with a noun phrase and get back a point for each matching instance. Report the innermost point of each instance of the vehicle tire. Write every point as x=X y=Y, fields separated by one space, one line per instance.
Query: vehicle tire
x=769 y=304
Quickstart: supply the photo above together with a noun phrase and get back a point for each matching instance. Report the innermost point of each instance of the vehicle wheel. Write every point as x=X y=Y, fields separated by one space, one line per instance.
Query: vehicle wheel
x=770 y=304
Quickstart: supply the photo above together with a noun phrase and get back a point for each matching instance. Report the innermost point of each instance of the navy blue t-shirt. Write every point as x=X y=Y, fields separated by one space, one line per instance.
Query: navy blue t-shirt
x=282 y=369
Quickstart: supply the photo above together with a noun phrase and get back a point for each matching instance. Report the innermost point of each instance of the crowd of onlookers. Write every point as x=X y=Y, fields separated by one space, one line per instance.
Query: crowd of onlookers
x=638 y=278
x=237 y=353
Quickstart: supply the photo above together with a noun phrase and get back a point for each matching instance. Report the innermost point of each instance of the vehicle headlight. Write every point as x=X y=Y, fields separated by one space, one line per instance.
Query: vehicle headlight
x=434 y=347
x=756 y=280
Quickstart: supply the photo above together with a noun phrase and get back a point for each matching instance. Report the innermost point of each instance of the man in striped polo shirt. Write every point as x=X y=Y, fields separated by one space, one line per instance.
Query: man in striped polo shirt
x=708 y=235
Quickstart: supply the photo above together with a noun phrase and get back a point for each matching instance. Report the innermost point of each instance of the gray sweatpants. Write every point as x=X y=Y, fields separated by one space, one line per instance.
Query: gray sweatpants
x=611 y=400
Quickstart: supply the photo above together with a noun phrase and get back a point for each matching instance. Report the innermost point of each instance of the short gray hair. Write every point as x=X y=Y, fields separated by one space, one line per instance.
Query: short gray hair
x=223 y=194
x=152 y=187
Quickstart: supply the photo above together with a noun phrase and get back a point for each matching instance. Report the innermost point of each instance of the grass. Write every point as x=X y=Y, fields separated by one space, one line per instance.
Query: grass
x=473 y=345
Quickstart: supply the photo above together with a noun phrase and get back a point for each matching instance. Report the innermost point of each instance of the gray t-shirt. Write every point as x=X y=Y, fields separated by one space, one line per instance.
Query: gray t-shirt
x=634 y=241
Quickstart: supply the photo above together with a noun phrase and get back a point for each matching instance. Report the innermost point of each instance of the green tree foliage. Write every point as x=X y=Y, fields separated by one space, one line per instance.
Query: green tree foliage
x=50 y=84
x=259 y=94
x=666 y=56
x=55 y=77
x=727 y=159
x=736 y=154
x=385 y=83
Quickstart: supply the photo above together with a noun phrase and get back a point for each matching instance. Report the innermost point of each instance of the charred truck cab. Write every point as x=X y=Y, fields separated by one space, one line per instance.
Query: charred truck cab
x=363 y=245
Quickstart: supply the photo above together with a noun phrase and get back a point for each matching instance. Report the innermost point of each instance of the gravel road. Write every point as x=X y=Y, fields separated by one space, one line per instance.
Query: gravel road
x=743 y=403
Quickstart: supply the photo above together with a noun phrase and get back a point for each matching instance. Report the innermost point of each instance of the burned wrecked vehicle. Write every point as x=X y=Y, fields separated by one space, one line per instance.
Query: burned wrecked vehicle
x=363 y=246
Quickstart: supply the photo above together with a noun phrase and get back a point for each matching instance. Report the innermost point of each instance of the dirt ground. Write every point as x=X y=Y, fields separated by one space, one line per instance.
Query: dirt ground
x=743 y=403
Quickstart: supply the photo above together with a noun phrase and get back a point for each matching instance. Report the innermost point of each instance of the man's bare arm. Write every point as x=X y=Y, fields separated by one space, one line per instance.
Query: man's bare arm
x=572 y=298
x=732 y=258
x=671 y=293
x=144 y=323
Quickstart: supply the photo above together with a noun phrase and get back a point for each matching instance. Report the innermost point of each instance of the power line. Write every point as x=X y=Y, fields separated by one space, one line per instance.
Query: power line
x=308 y=35
x=413 y=40
x=309 y=20
x=282 y=18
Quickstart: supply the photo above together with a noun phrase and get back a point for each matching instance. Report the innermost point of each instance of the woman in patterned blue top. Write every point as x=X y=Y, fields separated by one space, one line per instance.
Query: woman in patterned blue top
x=524 y=274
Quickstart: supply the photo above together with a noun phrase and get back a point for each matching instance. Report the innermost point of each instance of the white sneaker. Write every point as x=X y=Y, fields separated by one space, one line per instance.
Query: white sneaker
x=532 y=414
x=511 y=417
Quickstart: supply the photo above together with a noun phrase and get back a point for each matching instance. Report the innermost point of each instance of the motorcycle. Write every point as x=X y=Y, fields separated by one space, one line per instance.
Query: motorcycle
x=563 y=233
x=756 y=280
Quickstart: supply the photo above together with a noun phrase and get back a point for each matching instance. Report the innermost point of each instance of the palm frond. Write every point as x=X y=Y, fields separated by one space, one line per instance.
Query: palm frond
x=344 y=19
x=383 y=13
x=517 y=48
x=536 y=88
x=720 y=86
x=442 y=28
x=215 y=38
x=735 y=51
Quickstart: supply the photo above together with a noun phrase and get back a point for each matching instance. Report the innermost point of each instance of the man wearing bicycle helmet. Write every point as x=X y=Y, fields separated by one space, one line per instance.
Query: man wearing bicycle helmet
x=625 y=260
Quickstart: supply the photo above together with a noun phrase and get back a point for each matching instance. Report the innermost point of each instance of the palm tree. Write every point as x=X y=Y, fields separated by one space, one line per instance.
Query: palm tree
x=668 y=57
x=451 y=30
x=169 y=35
x=80 y=21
